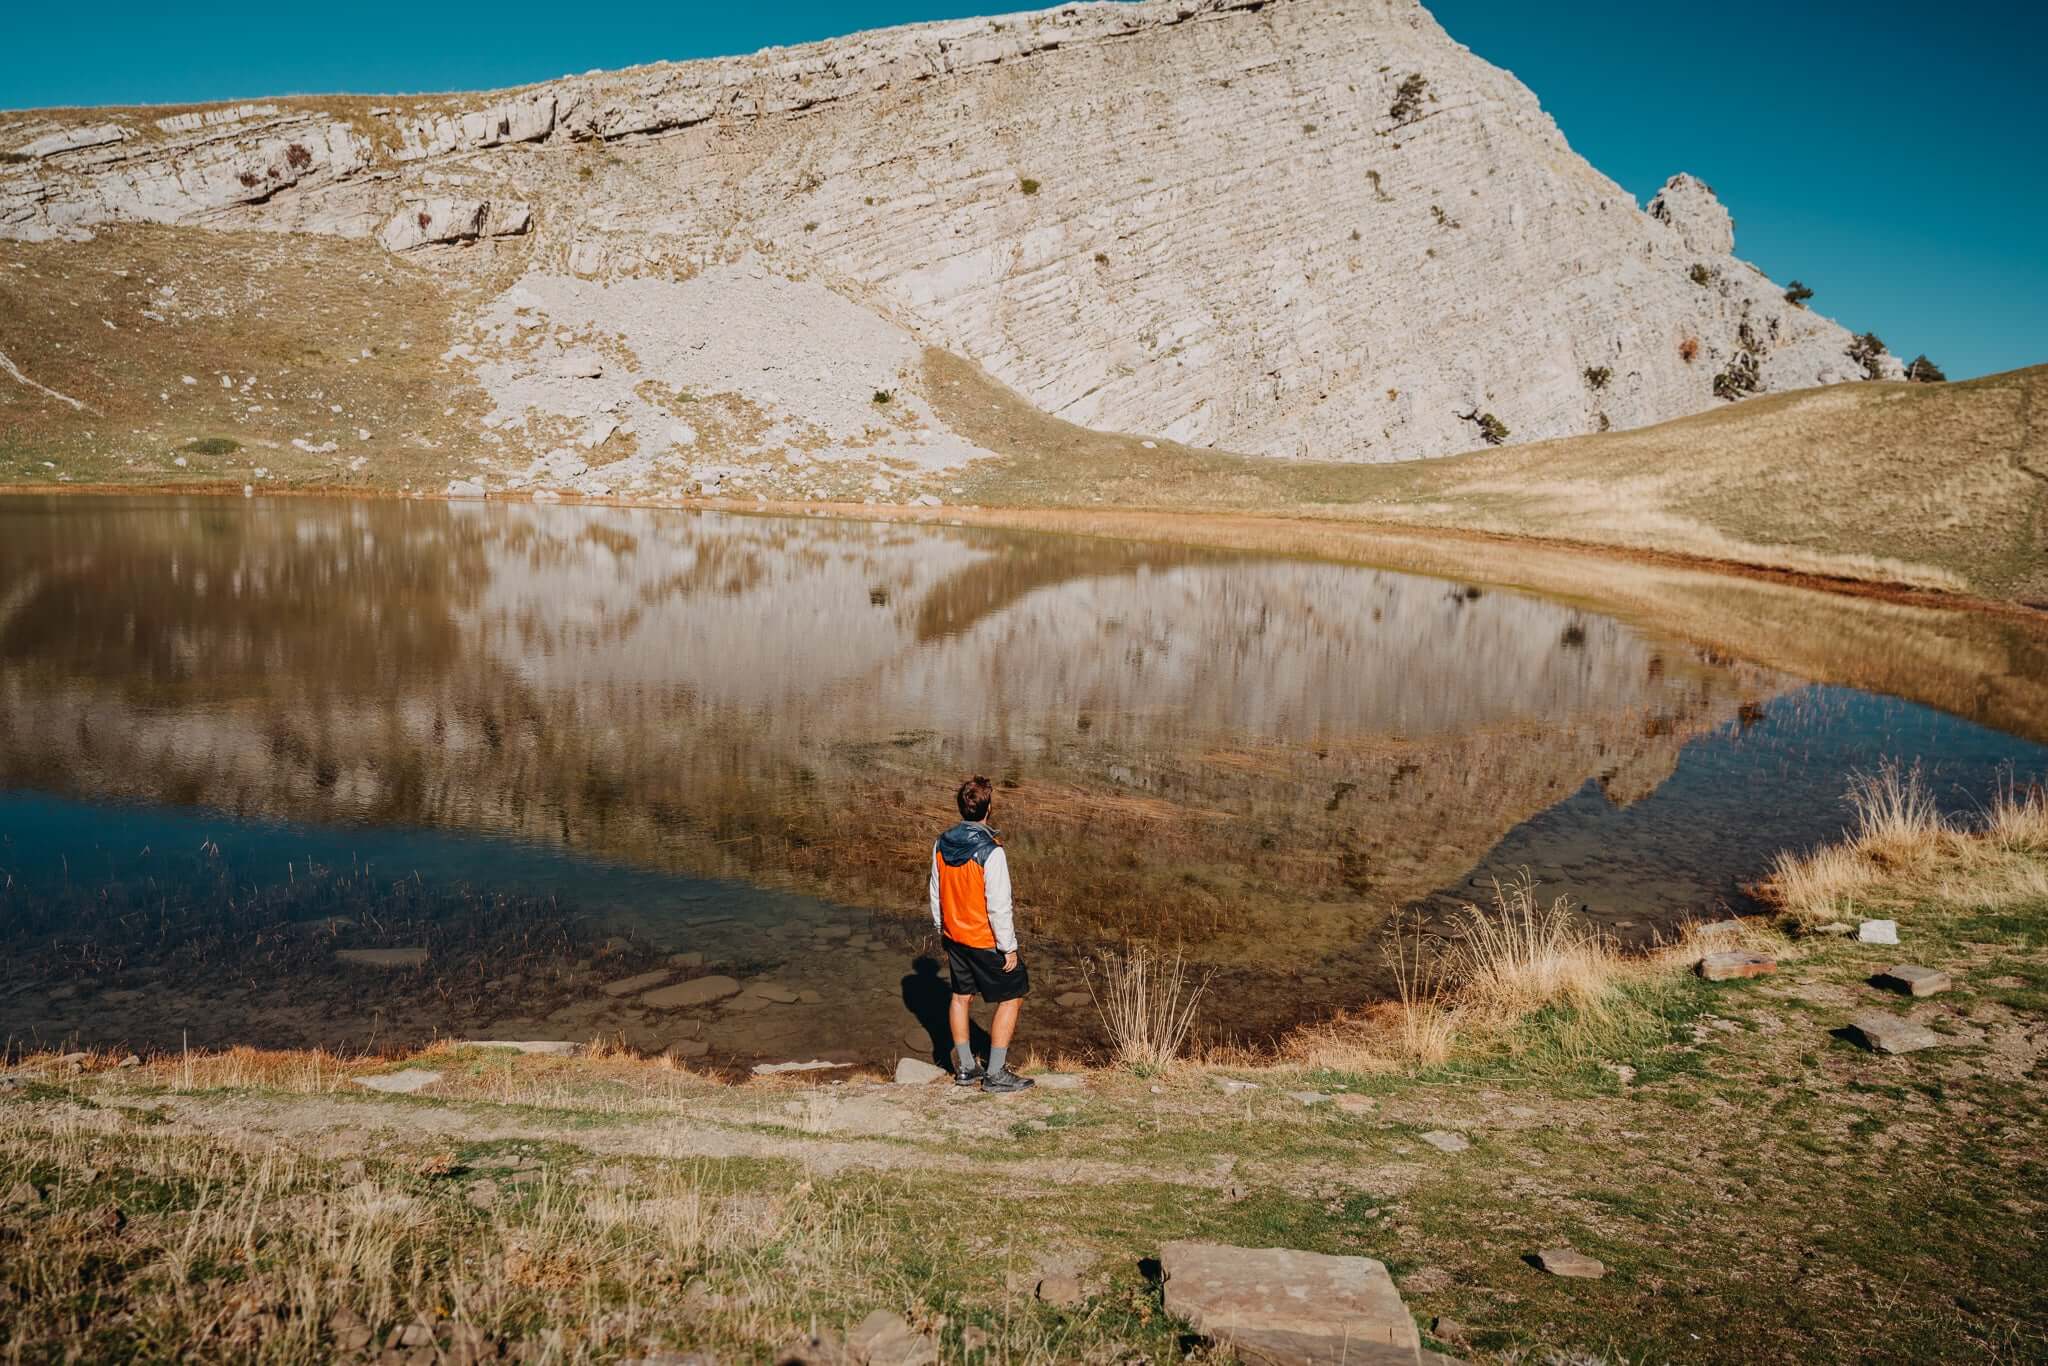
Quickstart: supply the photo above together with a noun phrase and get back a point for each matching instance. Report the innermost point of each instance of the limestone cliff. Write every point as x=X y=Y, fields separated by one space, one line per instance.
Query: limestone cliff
x=1291 y=227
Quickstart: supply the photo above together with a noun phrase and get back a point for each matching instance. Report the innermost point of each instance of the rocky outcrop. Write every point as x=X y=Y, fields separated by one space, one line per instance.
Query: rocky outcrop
x=452 y=220
x=1292 y=227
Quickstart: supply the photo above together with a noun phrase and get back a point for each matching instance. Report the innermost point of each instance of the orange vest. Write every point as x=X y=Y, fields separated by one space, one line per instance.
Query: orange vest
x=963 y=888
x=963 y=903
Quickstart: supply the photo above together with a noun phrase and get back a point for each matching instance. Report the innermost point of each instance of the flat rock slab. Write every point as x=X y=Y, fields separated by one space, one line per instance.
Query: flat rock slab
x=698 y=991
x=554 y=1048
x=1231 y=1086
x=1279 y=1305
x=382 y=958
x=1733 y=964
x=1070 y=999
x=1878 y=932
x=884 y=1339
x=1061 y=1081
x=1915 y=981
x=1445 y=1141
x=1884 y=1032
x=769 y=1069
x=1564 y=1261
x=774 y=991
x=400 y=1083
x=627 y=986
x=1307 y=1097
x=916 y=1072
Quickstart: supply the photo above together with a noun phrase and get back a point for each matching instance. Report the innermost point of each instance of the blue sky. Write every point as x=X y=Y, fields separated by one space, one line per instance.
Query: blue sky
x=1894 y=157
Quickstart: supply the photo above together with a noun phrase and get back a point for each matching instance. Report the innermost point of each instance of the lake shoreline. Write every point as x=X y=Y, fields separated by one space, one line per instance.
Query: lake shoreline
x=1390 y=544
x=760 y=1217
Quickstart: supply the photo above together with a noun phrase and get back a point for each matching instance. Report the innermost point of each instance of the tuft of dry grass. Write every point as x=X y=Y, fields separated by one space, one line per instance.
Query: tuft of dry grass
x=1903 y=850
x=1470 y=989
x=1148 y=1002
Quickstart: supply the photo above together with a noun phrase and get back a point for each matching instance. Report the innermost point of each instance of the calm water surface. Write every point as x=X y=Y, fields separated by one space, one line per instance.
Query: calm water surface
x=553 y=747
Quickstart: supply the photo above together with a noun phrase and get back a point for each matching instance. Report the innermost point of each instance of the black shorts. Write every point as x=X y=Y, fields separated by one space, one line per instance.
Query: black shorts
x=981 y=970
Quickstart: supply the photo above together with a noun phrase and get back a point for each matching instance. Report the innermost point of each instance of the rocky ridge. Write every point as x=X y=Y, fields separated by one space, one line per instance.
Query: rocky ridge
x=1297 y=227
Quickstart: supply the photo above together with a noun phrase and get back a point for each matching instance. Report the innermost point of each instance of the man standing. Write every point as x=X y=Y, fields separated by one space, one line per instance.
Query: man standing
x=970 y=896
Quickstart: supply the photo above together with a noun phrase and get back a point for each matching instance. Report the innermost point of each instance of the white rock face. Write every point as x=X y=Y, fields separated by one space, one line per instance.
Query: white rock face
x=1210 y=220
x=452 y=220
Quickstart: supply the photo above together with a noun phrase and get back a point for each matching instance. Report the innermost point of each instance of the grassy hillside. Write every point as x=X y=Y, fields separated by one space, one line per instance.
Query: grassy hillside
x=1940 y=486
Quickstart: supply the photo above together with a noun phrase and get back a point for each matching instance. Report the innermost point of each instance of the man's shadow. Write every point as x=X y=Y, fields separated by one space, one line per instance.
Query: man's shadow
x=928 y=996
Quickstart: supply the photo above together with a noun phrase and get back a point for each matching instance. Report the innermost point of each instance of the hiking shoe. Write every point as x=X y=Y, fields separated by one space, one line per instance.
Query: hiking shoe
x=1006 y=1081
x=969 y=1076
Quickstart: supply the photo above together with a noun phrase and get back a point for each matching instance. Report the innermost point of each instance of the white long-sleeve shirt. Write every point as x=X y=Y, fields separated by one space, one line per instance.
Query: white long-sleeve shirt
x=995 y=881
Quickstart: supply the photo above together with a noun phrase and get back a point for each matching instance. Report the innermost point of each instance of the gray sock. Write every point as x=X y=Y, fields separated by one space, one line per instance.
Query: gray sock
x=963 y=1054
x=996 y=1058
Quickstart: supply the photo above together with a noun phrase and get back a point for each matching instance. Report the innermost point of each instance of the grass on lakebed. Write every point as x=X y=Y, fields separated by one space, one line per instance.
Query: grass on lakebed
x=1756 y=1183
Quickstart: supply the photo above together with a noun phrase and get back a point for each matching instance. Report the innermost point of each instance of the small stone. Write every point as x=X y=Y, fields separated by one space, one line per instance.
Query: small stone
x=132 y=1060
x=1718 y=929
x=810 y=998
x=628 y=986
x=482 y=1194
x=774 y=991
x=1915 y=981
x=415 y=1335
x=21 y=1195
x=1732 y=964
x=1447 y=1329
x=1563 y=1261
x=689 y=1048
x=1877 y=932
x=884 y=1339
x=697 y=991
x=400 y=1083
x=1307 y=1097
x=1070 y=999
x=1064 y=1292
x=1884 y=1032
x=1445 y=1141
x=916 y=1072
x=1231 y=1086
x=382 y=958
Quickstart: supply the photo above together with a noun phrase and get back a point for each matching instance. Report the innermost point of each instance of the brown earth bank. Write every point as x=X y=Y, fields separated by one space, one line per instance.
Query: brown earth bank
x=1832 y=1152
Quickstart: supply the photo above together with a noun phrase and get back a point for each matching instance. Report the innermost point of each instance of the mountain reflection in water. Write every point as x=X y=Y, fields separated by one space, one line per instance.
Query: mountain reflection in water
x=1259 y=758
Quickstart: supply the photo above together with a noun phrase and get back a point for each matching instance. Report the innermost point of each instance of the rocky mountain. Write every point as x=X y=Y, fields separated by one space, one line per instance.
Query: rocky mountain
x=1289 y=227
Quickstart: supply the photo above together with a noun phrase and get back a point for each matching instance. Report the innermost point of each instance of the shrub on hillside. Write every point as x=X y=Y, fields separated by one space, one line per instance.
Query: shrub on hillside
x=1739 y=378
x=1797 y=294
x=1491 y=429
x=1027 y=185
x=1867 y=350
x=1597 y=377
x=1409 y=96
x=1925 y=371
x=1703 y=275
x=1689 y=349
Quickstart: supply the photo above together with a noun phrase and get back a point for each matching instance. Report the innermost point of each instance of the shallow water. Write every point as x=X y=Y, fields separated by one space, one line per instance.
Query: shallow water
x=556 y=745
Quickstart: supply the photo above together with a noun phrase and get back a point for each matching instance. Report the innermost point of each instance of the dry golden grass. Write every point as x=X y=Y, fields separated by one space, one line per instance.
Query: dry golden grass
x=1903 y=850
x=1148 y=1001
x=1471 y=990
x=1938 y=486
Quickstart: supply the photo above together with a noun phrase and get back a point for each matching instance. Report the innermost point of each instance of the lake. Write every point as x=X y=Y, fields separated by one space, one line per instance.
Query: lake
x=527 y=752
